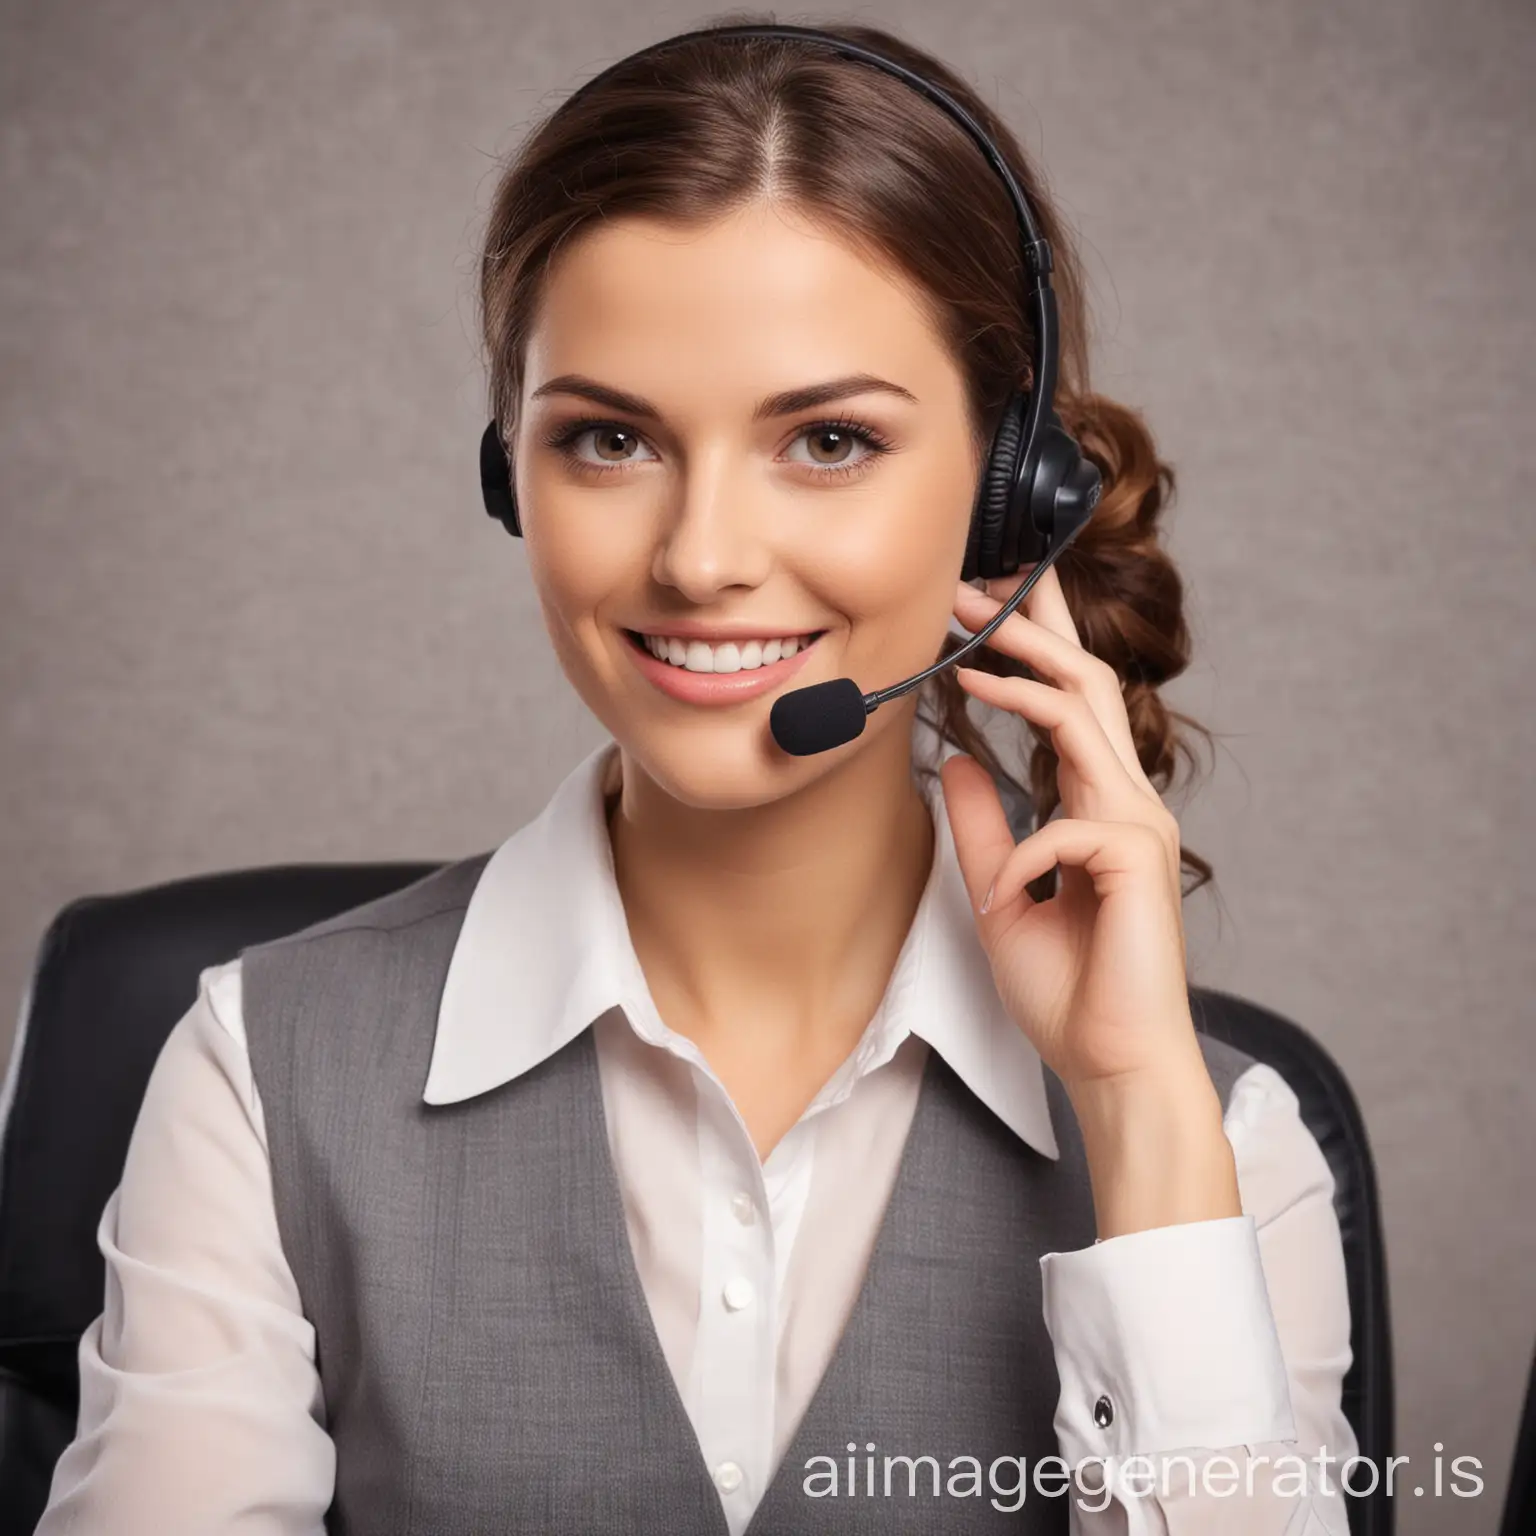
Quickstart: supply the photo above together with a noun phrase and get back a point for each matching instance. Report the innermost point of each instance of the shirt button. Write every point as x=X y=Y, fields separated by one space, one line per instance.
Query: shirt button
x=1103 y=1413
x=738 y=1293
x=727 y=1477
x=742 y=1208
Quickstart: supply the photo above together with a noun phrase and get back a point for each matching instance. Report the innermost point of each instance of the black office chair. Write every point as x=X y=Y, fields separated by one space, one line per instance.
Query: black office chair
x=1520 y=1500
x=115 y=973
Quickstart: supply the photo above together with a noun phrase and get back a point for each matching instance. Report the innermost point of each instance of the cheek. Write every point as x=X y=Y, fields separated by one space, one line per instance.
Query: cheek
x=583 y=575
x=893 y=568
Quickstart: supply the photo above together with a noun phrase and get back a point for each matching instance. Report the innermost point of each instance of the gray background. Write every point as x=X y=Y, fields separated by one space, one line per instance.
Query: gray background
x=252 y=611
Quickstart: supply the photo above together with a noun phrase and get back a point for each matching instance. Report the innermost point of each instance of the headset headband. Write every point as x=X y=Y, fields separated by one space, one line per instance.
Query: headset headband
x=1036 y=248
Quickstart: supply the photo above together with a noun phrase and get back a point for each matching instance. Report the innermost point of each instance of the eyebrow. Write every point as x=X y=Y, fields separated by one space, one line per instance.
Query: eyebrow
x=785 y=403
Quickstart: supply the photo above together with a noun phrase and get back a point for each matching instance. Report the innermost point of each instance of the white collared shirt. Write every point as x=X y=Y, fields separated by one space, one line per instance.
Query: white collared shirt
x=201 y=1409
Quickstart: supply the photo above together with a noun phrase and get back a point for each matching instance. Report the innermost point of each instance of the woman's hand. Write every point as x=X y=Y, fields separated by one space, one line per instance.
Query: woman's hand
x=1095 y=975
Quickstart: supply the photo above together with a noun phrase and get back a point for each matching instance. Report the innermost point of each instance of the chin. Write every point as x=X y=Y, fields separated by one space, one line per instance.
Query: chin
x=721 y=755
x=718 y=755
x=721 y=764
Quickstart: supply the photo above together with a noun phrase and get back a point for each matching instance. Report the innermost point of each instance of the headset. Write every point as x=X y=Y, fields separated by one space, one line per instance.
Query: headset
x=1037 y=489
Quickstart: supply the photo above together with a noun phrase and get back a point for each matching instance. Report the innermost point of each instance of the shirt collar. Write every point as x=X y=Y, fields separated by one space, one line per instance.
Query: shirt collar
x=544 y=950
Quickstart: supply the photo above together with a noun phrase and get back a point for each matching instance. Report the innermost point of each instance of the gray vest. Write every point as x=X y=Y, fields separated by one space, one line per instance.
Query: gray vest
x=488 y=1358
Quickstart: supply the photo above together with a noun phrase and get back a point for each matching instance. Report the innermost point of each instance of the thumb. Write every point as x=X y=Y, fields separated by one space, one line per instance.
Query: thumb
x=977 y=822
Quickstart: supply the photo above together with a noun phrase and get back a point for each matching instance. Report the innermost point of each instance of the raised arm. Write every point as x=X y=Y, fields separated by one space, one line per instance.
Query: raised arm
x=1222 y=1347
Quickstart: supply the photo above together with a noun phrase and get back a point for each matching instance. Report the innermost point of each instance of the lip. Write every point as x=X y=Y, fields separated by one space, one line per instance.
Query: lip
x=719 y=634
x=715 y=687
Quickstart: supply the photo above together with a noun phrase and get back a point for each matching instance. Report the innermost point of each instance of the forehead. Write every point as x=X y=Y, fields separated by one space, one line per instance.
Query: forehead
x=754 y=298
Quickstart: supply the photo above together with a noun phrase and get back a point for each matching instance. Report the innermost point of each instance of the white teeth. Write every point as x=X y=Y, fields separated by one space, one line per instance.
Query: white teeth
x=729 y=656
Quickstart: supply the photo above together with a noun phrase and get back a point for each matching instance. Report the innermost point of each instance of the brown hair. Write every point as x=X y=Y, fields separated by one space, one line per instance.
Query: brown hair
x=700 y=128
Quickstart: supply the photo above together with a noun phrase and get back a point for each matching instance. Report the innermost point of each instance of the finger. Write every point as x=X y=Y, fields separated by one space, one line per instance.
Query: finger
x=1076 y=733
x=1063 y=662
x=1051 y=655
x=1046 y=603
x=1113 y=854
x=977 y=822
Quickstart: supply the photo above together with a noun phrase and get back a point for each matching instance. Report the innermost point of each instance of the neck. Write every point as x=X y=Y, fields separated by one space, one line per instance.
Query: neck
x=769 y=934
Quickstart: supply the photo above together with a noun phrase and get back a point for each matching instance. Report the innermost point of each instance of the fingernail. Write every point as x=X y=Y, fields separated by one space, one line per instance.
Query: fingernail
x=986 y=901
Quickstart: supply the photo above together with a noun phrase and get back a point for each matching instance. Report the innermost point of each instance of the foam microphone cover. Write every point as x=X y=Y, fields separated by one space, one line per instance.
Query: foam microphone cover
x=816 y=719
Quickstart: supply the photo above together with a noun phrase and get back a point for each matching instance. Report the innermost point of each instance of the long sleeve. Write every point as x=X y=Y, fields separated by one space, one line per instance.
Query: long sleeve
x=200 y=1404
x=1213 y=1352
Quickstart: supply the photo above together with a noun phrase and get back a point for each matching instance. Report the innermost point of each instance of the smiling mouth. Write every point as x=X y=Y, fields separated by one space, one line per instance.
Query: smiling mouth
x=724 y=656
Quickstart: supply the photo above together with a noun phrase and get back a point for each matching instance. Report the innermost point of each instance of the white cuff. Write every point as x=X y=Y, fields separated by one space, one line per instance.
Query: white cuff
x=1169 y=1335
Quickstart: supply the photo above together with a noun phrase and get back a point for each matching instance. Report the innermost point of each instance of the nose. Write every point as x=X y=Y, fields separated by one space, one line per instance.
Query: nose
x=712 y=538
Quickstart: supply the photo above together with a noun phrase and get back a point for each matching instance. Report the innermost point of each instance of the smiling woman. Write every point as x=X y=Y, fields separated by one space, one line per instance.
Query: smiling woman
x=824 y=235
x=748 y=1110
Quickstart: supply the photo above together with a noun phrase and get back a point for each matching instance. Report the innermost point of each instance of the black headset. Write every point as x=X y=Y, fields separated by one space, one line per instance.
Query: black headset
x=1036 y=492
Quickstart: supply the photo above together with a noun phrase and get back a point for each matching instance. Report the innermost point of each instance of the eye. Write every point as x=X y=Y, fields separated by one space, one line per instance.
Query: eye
x=613 y=445
x=834 y=448
x=840 y=447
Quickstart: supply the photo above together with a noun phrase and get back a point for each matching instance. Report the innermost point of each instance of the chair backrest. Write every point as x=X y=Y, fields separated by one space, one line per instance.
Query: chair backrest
x=115 y=973
x=1520 y=1499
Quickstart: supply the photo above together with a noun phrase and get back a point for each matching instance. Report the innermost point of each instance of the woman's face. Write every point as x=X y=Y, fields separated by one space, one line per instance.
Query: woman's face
x=738 y=441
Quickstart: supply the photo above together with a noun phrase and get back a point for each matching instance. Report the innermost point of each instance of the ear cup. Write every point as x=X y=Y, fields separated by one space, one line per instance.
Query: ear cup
x=496 y=481
x=1059 y=495
x=991 y=533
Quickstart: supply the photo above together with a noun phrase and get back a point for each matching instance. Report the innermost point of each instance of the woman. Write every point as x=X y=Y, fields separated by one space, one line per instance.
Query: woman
x=751 y=1139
